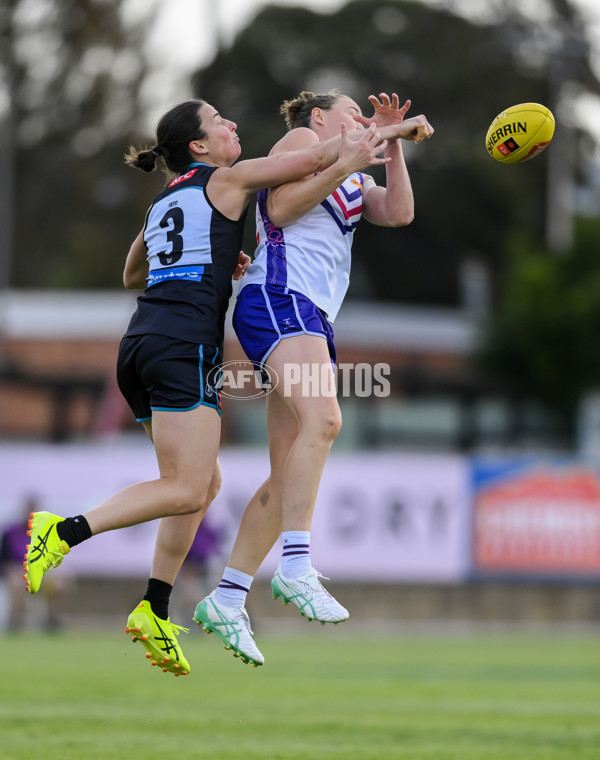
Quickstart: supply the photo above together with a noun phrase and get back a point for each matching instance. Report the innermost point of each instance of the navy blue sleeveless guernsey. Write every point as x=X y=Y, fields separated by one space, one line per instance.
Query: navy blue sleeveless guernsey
x=192 y=253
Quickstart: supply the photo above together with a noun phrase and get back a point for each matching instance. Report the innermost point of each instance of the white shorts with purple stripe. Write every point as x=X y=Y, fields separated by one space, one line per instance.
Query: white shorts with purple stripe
x=266 y=314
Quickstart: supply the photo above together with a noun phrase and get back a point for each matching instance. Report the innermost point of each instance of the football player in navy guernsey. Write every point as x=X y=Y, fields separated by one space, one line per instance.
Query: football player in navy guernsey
x=283 y=316
x=185 y=255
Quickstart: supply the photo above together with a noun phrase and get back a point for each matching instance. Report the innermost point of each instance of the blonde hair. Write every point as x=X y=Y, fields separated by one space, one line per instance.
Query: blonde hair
x=297 y=112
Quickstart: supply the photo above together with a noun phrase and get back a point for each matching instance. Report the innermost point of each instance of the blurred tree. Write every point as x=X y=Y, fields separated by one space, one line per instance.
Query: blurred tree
x=73 y=72
x=461 y=73
x=544 y=337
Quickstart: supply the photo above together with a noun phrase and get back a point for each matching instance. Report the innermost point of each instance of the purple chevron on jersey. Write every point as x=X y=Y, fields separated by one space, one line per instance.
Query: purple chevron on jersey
x=354 y=194
x=336 y=218
x=345 y=204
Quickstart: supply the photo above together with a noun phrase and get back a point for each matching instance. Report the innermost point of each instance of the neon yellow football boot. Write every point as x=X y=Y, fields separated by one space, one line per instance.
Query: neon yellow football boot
x=159 y=639
x=45 y=551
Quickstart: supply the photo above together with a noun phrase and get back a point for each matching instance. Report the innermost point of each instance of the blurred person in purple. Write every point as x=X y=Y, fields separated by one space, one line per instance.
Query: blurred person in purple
x=12 y=539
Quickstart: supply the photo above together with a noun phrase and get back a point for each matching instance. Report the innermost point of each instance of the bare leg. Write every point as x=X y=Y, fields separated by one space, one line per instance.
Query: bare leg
x=302 y=428
x=176 y=535
x=261 y=523
x=186 y=445
x=319 y=421
x=301 y=433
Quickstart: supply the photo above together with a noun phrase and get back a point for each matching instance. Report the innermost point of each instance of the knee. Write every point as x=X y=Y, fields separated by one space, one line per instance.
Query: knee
x=214 y=488
x=326 y=427
x=188 y=500
x=333 y=426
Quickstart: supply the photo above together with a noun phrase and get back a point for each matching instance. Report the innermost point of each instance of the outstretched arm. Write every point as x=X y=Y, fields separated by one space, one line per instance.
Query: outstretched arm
x=230 y=189
x=392 y=205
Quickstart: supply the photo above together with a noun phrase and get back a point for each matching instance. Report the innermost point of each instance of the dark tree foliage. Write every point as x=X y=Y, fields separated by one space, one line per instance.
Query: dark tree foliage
x=76 y=73
x=545 y=334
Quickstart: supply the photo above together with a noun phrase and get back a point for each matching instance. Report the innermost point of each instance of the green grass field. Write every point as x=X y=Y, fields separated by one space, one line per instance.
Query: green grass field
x=330 y=696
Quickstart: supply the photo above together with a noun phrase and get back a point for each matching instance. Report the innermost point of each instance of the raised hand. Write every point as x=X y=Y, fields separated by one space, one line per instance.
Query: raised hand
x=386 y=111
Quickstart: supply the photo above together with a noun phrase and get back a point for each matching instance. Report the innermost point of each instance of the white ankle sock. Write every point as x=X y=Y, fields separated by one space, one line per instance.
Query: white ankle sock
x=295 y=559
x=233 y=588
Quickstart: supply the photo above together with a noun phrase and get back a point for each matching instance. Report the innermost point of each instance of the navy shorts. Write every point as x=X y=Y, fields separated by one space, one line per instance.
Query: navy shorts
x=266 y=314
x=160 y=374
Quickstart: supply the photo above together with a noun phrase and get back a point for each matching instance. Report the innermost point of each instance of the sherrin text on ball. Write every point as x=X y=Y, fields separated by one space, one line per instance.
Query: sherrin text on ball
x=520 y=133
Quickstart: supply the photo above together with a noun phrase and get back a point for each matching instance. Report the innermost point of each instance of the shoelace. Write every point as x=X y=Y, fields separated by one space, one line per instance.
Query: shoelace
x=245 y=619
x=321 y=589
x=52 y=559
x=179 y=628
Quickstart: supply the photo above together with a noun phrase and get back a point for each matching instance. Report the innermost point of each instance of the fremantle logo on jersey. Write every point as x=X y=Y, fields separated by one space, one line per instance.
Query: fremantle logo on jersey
x=345 y=204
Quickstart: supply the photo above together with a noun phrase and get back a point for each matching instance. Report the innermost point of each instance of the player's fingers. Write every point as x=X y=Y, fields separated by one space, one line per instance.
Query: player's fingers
x=405 y=107
x=395 y=101
x=373 y=137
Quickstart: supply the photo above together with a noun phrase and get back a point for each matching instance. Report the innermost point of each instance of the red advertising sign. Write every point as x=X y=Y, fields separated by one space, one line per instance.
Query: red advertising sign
x=543 y=520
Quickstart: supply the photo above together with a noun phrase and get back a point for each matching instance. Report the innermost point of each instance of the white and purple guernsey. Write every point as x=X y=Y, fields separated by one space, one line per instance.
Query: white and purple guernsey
x=311 y=255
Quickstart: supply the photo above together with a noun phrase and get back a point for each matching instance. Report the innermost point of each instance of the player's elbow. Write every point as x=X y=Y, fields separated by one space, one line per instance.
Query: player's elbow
x=132 y=283
x=279 y=220
x=407 y=219
x=279 y=214
x=402 y=218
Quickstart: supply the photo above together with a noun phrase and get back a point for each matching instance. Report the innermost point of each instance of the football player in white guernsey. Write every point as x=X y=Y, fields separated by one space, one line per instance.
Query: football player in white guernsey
x=283 y=315
x=185 y=255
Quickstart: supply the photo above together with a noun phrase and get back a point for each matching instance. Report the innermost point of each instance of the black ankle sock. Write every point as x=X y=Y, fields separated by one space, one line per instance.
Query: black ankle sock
x=74 y=530
x=158 y=593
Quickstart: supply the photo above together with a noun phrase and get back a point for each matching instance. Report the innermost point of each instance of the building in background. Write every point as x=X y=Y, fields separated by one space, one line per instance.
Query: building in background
x=57 y=378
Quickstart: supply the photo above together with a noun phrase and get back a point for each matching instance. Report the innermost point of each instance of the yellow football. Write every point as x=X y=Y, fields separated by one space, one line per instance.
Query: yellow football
x=520 y=133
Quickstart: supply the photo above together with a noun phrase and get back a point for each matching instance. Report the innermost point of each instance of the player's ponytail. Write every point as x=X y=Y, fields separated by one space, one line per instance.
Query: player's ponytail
x=143 y=159
x=174 y=132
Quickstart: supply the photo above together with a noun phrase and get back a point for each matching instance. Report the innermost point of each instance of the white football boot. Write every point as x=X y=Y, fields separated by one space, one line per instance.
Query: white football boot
x=309 y=596
x=232 y=626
